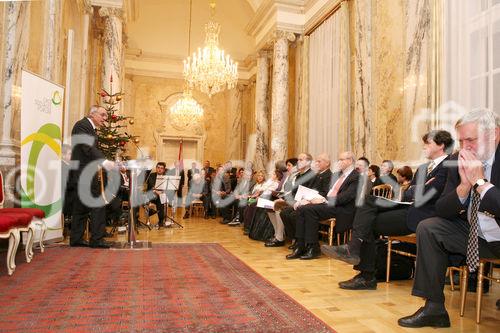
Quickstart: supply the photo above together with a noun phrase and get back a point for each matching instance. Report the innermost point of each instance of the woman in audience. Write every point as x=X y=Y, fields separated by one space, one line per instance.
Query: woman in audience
x=374 y=175
x=260 y=227
x=404 y=176
x=252 y=201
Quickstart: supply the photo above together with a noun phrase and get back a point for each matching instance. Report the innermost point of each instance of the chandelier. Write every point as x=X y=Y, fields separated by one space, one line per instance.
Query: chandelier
x=210 y=70
x=186 y=110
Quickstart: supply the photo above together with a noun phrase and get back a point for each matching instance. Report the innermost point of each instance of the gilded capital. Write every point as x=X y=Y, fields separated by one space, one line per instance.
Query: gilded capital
x=281 y=34
x=111 y=12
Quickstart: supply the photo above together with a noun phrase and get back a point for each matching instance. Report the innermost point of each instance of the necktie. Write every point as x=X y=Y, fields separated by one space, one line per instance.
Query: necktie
x=333 y=192
x=472 y=243
x=430 y=167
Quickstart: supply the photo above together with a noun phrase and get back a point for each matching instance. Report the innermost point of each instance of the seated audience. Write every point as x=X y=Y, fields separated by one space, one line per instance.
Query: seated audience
x=340 y=203
x=468 y=216
x=241 y=193
x=287 y=168
x=198 y=190
x=374 y=175
x=305 y=177
x=404 y=175
x=386 y=175
x=376 y=217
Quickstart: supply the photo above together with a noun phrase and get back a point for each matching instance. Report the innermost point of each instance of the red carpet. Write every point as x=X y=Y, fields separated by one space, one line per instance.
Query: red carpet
x=170 y=288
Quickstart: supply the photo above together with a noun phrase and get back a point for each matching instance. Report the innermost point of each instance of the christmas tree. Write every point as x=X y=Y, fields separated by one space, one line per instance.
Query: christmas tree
x=112 y=137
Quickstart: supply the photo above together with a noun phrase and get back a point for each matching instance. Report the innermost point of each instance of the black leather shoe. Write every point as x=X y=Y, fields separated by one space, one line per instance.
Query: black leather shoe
x=359 y=283
x=341 y=252
x=294 y=245
x=312 y=252
x=423 y=317
x=224 y=221
x=297 y=253
x=79 y=244
x=213 y=216
x=102 y=244
x=186 y=216
x=274 y=243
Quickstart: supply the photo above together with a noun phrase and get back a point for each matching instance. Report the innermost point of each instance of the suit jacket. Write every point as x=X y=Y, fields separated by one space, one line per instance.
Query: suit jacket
x=190 y=174
x=422 y=210
x=84 y=153
x=345 y=201
x=449 y=205
x=321 y=182
x=292 y=184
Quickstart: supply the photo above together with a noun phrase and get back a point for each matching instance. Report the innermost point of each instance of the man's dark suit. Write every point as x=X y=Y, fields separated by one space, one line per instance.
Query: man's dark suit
x=342 y=207
x=448 y=233
x=160 y=208
x=84 y=154
x=289 y=215
x=190 y=174
x=321 y=182
x=372 y=220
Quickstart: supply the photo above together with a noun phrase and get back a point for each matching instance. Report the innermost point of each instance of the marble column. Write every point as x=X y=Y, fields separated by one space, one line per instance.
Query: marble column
x=16 y=31
x=51 y=48
x=280 y=94
x=233 y=133
x=88 y=10
x=112 y=49
x=262 y=111
x=362 y=115
x=418 y=114
x=16 y=25
x=302 y=95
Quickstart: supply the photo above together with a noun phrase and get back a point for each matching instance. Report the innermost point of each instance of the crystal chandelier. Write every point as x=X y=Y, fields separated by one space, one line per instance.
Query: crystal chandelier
x=210 y=70
x=186 y=110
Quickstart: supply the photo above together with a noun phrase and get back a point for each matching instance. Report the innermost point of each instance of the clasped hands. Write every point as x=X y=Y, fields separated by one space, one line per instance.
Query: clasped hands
x=470 y=170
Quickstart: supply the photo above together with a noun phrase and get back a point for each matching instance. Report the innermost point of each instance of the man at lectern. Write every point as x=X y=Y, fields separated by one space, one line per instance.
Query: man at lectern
x=158 y=190
x=85 y=151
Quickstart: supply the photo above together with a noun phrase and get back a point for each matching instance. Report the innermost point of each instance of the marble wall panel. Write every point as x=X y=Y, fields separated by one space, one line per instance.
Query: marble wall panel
x=362 y=104
x=388 y=80
x=417 y=86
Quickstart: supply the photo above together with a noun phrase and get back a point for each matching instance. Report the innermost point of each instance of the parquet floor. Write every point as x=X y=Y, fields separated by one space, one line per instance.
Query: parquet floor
x=314 y=283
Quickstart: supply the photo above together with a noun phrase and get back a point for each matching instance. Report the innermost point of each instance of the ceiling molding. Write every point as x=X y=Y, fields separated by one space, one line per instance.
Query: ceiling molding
x=107 y=3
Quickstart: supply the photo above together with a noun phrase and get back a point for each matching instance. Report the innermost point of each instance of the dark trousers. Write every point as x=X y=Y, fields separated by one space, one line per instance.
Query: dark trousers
x=229 y=211
x=80 y=215
x=289 y=217
x=160 y=210
x=436 y=239
x=386 y=223
x=308 y=218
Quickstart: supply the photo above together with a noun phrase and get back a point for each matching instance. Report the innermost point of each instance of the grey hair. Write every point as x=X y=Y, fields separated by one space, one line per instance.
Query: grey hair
x=485 y=119
x=351 y=155
x=94 y=109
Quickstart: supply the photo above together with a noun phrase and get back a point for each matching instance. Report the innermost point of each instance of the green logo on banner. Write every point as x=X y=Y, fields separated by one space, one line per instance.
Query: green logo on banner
x=46 y=136
x=56 y=98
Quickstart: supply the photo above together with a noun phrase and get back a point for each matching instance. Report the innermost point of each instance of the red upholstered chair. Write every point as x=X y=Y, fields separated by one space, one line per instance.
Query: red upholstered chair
x=24 y=224
x=37 y=215
x=10 y=227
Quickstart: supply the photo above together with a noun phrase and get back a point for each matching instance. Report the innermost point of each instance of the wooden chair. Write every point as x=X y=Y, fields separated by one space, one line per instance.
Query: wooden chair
x=383 y=191
x=411 y=239
x=479 y=289
x=330 y=233
x=197 y=208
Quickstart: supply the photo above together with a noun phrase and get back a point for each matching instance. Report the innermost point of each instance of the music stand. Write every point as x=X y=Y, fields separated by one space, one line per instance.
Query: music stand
x=132 y=243
x=172 y=184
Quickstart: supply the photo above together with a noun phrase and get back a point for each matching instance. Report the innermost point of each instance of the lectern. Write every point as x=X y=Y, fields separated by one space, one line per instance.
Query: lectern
x=135 y=168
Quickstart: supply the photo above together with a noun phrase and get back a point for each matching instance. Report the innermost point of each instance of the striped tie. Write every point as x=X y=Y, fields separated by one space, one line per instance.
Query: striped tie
x=472 y=243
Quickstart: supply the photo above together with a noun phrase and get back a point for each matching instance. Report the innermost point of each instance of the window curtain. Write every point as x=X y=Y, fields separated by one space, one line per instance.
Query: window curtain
x=328 y=126
x=471 y=59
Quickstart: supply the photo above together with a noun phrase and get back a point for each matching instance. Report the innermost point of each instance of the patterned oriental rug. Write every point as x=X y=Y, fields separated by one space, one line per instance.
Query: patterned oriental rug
x=171 y=288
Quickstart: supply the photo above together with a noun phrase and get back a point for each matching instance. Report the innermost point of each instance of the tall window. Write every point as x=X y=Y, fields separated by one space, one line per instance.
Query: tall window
x=472 y=54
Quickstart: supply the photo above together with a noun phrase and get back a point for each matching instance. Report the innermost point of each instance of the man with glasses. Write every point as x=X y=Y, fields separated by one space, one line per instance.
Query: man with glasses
x=86 y=151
